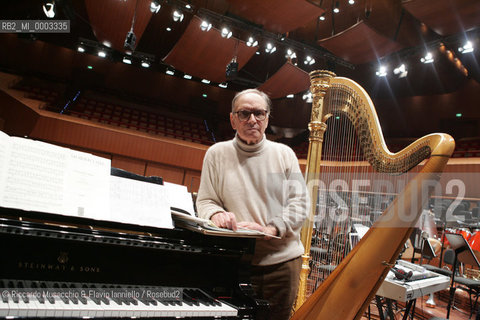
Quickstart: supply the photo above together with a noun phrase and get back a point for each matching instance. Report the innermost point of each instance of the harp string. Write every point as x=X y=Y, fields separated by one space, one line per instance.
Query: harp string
x=339 y=206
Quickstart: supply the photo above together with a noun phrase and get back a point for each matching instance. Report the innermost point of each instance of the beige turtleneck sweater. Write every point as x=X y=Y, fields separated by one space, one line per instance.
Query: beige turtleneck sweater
x=260 y=183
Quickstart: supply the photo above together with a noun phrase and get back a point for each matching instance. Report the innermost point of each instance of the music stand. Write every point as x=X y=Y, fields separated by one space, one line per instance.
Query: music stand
x=421 y=245
x=464 y=254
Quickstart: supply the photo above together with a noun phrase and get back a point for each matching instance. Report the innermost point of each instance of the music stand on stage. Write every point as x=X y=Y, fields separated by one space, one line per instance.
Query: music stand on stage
x=421 y=245
x=463 y=254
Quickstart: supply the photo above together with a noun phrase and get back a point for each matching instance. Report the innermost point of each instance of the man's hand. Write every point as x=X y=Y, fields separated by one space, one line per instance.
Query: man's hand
x=269 y=230
x=225 y=220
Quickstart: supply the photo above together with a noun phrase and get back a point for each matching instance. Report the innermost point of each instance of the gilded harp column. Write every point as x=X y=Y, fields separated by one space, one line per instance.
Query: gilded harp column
x=319 y=83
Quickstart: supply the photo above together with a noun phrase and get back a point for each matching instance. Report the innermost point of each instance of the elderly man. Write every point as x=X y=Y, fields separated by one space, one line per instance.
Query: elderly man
x=253 y=183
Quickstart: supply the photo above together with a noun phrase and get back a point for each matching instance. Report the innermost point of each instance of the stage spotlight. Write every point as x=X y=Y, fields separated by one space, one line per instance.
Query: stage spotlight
x=309 y=60
x=270 y=48
x=226 y=33
x=291 y=54
x=102 y=53
x=145 y=64
x=428 y=58
x=467 y=47
x=205 y=25
x=155 y=6
x=307 y=97
x=178 y=16
x=382 y=71
x=336 y=9
x=49 y=9
x=127 y=60
x=401 y=71
x=252 y=42
x=80 y=48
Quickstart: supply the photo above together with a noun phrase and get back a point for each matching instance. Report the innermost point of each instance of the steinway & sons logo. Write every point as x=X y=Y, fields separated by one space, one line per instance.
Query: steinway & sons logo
x=61 y=265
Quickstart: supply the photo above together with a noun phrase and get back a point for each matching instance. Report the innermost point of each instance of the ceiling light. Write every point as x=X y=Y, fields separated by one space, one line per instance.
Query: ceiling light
x=49 y=9
x=337 y=7
x=290 y=96
x=177 y=16
x=205 y=81
x=309 y=60
x=351 y=1
x=428 y=58
x=223 y=85
x=401 y=71
x=205 y=25
x=170 y=72
x=80 y=49
x=145 y=64
x=168 y=29
x=226 y=33
x=252 y=42
x=155 y=6
x=291 y=54
x=270 y=48
x=322 y=17
x=467 y=47
x=382 y=71
x=187 y=76
x=127 y=60
x=102 y=53
x=307 y=97
x=107 y=44
x=188 y=6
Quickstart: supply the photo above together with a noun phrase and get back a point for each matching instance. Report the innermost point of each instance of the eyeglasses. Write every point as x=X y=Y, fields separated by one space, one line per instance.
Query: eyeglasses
x=244 y=115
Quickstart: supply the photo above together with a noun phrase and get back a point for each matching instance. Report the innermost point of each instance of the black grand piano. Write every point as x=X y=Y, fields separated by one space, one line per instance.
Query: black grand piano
x=57 y=266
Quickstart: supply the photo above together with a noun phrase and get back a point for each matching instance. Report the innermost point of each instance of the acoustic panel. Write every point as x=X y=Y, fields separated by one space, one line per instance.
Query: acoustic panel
x=206 y=54
x=276 y=16
x=360 y=44
x=289 y=79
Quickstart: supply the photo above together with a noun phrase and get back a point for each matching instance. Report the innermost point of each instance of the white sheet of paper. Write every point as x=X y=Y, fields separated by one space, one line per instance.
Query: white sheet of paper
x=179 y=197
x=139 y=202
x=87 y=186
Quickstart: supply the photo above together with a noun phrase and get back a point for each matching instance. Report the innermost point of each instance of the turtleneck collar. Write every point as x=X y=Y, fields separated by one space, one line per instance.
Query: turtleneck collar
x=250 y=148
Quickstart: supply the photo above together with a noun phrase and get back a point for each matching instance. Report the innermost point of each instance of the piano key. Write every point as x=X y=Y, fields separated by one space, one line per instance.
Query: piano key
x=56 y=299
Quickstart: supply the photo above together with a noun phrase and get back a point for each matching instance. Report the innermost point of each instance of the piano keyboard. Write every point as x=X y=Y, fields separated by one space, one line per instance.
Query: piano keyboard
x=25 y=298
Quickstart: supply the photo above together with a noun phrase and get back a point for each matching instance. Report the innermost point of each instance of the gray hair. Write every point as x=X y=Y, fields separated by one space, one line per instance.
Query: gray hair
x=262 y=94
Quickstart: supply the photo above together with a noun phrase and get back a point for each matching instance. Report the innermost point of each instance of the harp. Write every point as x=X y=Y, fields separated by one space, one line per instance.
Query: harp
x=347 y=291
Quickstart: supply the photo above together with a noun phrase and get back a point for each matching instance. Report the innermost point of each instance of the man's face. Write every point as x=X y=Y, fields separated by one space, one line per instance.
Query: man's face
x=250 y=130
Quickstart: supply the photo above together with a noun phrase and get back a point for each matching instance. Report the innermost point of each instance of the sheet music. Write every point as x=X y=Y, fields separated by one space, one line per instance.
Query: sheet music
x=138 y=202
x=39 y=176
x=4 y=156
x=179 y=197
x=87 y=185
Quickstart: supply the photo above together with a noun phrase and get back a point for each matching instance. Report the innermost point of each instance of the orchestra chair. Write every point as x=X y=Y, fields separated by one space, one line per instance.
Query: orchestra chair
x=470 y=285
x=461 y=252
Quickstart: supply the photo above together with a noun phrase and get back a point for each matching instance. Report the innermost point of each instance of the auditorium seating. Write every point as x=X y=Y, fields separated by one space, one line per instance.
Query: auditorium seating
x=47 y=94
x=145 y=121
x=120 y=114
